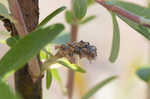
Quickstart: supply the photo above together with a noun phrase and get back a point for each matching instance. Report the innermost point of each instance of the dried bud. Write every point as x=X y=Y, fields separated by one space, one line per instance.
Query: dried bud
x=83 y=49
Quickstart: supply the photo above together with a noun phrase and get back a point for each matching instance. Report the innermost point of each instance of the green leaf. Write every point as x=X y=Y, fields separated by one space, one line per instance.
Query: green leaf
x=137 y=10
x=3 y=10
x=79 y=8
x=50 y=16
x=69 y=17
x=56 y=75
x=43 y=55
x=87 y=19
x=90 y=2
x=48 y=78
x=11 y=41
x=67 y=64
x=6 y=92
x=131 y=7
x=97 y=87
x=28 y=47
x=139 y=28
x=116 y=40
x=62 y=38
x=144 y=73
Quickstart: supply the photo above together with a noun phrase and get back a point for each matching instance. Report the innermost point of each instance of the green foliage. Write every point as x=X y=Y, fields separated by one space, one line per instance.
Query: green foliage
x=28 y=47
x=90 y=2
x=144 y=73
x=79 y=8
x=139 y=28
x=67 y=64
x=87 y=19
x=116 y=40
x=43 y=55
x=48 y=78
x=137 y=10
x=6 y=92
x=4 y=11
x=131 y=7
x=50 y=16
x=56 y=75
x=98 y=86
x=69 y=17
x=11 y=41
x=62 y=38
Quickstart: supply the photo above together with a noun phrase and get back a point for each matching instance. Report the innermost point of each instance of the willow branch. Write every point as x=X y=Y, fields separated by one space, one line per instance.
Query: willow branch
x=125 y=13
x=33 y=68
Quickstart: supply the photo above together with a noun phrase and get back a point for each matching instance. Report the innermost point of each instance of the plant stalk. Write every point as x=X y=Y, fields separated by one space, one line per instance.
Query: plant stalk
x=71 y=74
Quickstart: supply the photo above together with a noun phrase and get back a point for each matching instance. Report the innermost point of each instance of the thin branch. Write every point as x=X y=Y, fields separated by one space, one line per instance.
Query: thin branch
x=70 y=82
x=33 y=68
x=125 y=13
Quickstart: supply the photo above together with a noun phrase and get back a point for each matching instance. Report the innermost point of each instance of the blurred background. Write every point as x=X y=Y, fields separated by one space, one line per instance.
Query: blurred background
x=134 y=52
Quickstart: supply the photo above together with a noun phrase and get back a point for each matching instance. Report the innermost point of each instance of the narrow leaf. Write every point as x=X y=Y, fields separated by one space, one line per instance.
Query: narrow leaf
x=67 y=64
x=144 y=73
x=97 y=87
x=11 y=41
x=6 y=92
x=69 y=17
x=90 y=2
x=50 y=16
x=28 y=47
x=62 y=38
x=79 y=8
x=48 y=78
x=3 y=11
x=88 y=19
x=137 y=27
x=116 y=40
x=137 y=10
x=56 y=75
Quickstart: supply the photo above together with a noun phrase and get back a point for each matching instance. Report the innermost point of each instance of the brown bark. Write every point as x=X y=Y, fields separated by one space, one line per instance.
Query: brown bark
x=23 y=81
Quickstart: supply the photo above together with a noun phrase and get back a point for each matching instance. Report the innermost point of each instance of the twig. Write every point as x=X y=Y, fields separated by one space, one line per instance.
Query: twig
x=124 y=13
x=70 y=82
x=33 y=67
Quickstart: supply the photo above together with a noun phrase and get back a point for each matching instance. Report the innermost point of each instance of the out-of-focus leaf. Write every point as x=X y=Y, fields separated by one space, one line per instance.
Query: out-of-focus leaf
x=116 y=40
x=43 y=55
x=6 y=92
x=137 y=10
x=28 y=47
x=3 y=11
x=139 y=28
x=131 y=7
x=90 y=2
x=48 y=78
x=97 y=87
x=144 y=73
x=79 y=8
x=11 y=41
x=69 y=17
x=62 y=38
x=87 y=19
x=50 y=16
x=55 y=74
x=67 y=64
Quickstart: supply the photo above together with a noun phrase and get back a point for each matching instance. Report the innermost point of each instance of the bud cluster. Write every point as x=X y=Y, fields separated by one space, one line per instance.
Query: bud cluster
x=82 y=49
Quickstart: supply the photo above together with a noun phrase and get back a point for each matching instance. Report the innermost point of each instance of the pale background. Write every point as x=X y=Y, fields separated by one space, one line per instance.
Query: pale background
x=134 y=51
